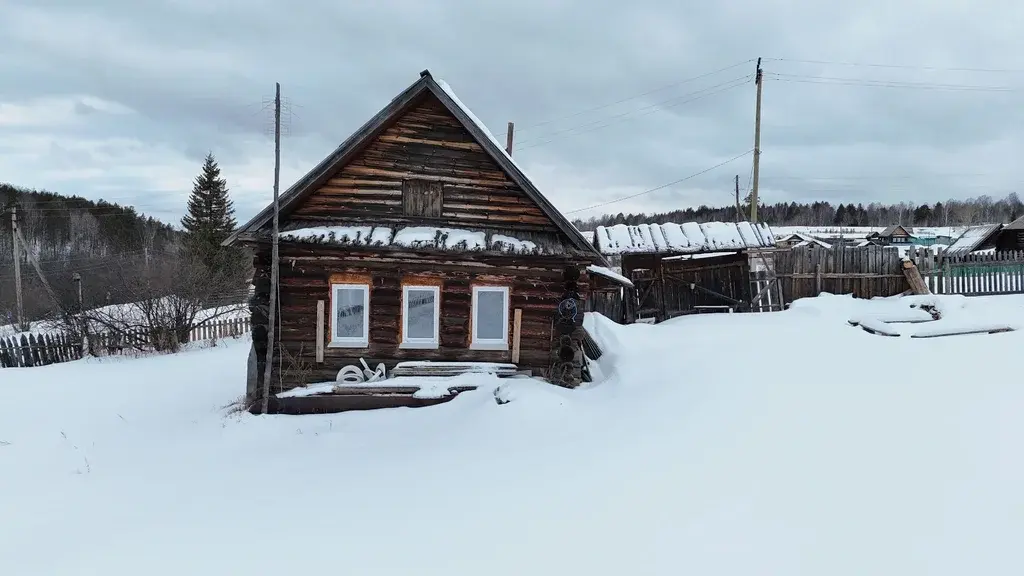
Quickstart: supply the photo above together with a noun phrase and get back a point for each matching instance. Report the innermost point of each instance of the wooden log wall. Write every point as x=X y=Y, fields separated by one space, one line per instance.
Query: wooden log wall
x=536 y=286
x=426 y=143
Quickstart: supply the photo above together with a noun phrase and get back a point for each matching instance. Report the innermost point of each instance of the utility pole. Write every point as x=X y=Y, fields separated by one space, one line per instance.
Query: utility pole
x=77 y=279
x=272 y=315
x=508 y=137
x=757 y=145
x=737 y=197
x=17 y=268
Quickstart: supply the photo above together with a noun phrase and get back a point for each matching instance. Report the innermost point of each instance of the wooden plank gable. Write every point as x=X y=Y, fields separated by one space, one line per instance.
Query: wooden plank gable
x=425 y=168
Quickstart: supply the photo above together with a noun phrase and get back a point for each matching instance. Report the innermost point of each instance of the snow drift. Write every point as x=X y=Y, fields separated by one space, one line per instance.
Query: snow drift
x=780 y=443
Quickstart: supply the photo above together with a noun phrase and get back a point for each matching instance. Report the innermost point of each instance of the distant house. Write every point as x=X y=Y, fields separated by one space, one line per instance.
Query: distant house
x=796 y=239
x=899 y=235
x=420 y=239
x=998 y=237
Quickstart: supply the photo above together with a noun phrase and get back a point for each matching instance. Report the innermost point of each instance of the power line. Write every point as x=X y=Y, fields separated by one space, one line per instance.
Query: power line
x=900 y=66
x=693 y=96
x=663 y=186
x=649 y=92
x=781 y=77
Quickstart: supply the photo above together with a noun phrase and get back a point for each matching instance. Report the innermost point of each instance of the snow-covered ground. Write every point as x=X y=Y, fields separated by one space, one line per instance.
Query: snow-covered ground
x=778 y=443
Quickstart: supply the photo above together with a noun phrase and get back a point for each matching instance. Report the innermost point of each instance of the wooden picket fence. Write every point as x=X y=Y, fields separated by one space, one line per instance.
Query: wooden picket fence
x=51 y=348
x=984 y=274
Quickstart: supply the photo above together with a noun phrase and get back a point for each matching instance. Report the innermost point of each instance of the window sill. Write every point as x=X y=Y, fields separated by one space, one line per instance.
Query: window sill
x=362 y=344
x=493 y=346
x=418 y=346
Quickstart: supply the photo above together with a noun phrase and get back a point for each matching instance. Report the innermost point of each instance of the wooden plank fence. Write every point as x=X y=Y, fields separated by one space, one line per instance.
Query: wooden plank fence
x=874 y=271
x=865 y=272
x=52 y=348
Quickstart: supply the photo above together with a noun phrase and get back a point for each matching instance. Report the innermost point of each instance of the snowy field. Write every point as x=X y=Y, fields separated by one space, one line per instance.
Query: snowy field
x=779 y=443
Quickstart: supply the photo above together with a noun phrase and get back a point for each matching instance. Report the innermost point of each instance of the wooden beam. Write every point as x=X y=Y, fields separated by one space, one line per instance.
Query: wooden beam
x=913 y=275
x=517 y=324
x=319 y=331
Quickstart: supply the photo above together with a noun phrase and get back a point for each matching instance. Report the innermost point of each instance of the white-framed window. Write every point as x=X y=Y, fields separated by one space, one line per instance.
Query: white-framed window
x=421 y=307
x=490 y=318
x=350 y=315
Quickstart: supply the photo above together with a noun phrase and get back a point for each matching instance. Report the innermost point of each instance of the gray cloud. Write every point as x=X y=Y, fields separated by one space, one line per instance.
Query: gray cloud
x=196 y=75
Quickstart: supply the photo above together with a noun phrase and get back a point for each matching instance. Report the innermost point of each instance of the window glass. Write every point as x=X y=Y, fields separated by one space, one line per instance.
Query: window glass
x=421 y=313
x=349 y=312
x=490 y=315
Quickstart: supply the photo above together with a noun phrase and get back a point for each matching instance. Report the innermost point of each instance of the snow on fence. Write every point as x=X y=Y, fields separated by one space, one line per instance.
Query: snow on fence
x=30 y=350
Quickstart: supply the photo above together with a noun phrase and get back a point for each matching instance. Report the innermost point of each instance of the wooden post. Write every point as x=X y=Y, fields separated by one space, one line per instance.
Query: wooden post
x=757 y=145
x=319 y=331
x=508 y=137
x=272 y=313
x=737 y=197
x=17 y=269
x=517 y=324
x=817 y=279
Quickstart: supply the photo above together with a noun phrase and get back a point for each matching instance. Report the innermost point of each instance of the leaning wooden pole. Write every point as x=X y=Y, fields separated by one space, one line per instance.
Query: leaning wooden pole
x=272 y=313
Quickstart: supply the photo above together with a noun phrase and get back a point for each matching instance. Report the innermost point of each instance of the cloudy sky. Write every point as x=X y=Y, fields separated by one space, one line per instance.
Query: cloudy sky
x=863 y=101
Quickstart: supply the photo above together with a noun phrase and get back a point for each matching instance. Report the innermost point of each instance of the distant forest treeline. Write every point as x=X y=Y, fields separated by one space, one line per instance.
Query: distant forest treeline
x=983 y=209
x=68 y=234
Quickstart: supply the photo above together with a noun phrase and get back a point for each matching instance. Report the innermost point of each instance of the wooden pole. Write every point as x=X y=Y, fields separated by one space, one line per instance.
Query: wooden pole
x=272 y=314
x=39 y=271
x=757 y=145
x=17 y=268
x=737 y=197
x=508 y=137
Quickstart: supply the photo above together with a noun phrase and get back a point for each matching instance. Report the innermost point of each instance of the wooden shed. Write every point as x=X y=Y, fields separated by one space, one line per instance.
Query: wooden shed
x=997 y=237
x=420 y=239
x=693 y=267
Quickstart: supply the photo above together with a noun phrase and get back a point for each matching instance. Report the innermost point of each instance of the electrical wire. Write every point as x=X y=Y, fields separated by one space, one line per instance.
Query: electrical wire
x=898 y=66
x=663 y=186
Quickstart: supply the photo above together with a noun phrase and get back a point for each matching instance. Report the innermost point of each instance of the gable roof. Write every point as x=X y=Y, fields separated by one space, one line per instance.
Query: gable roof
x=362 y=137
x=890 y=230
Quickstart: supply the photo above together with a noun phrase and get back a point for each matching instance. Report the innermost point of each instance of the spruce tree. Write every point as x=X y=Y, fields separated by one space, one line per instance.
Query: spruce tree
x=210 y=218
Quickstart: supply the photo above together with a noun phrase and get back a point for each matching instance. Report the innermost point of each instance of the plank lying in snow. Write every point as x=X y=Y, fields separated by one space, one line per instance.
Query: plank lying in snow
x=952 y=331
x=874 y=326
x=427 y=368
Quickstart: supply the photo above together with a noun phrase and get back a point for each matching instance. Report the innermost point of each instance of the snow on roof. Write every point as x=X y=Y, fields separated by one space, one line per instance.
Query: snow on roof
x=417 y=237
x=499 y=146
x=687 y=238
x=610 y=274
x=972 y=238
x=475 y=119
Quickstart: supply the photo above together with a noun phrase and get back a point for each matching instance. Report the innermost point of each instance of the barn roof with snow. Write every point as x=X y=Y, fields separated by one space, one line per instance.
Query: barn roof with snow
x=685 y=238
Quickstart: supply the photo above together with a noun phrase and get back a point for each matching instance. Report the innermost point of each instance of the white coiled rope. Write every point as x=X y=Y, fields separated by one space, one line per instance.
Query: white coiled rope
x=352 y=374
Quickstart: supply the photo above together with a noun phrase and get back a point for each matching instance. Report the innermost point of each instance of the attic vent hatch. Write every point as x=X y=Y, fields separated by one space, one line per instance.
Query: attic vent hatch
x=422 y=198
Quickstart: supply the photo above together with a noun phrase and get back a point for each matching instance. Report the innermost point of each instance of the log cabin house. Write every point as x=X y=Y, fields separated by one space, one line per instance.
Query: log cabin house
x=419 y=239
